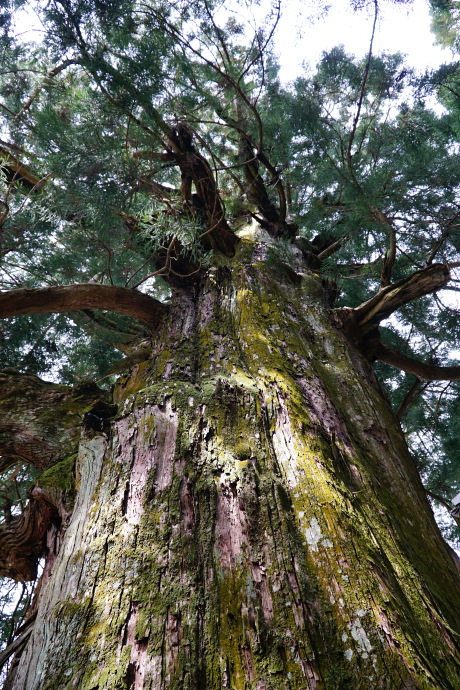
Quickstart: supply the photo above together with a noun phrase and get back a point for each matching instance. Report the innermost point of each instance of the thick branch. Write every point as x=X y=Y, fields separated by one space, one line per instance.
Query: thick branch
x=428 y=372
x=194 y=168
x=16 y=169
x=23 y=540
x=40 y=422
x=369 y=314
x=82 y=296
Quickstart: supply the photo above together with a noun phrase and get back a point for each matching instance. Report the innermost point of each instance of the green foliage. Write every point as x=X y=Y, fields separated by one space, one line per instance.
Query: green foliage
x=14 y=602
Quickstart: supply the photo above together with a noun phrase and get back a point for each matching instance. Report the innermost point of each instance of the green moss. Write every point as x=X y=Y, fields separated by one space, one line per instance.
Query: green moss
x=60 y=476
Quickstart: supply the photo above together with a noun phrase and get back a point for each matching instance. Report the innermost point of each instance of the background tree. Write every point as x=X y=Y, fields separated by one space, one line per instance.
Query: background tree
x=239 y=509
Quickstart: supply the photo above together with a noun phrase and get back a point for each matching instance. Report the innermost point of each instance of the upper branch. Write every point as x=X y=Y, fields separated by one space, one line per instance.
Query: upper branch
x=369 y=314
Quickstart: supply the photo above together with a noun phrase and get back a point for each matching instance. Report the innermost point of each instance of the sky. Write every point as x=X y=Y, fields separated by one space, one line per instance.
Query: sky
x=403 y=29
x=301 y=35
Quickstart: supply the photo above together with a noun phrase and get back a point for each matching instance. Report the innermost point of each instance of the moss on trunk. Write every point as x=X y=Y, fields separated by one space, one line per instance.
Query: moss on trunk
x=253 y=519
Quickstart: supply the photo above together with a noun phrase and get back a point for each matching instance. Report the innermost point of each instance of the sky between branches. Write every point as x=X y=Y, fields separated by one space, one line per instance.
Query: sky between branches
x=302 y=34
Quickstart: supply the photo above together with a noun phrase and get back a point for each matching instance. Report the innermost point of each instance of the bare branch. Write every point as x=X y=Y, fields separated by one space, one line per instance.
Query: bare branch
x=389 y=299
x=429 y=372
x=64 y=298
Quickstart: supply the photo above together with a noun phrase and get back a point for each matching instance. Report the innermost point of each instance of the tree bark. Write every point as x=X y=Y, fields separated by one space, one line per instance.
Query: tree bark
x=252 y=518
x=40 y=422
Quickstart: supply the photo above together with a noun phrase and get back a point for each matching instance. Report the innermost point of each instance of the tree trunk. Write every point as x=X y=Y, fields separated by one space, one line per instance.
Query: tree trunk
x=253 y=518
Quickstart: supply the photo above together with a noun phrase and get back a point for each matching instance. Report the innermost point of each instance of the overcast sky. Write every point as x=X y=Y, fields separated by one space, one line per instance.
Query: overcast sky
x=302 y=36
x=404 y=29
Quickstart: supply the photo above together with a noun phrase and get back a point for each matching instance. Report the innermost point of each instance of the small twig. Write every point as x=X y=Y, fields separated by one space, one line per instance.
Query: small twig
x=52 y=73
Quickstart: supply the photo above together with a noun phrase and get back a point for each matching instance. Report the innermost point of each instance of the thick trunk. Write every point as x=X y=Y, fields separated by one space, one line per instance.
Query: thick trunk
x=252 y=520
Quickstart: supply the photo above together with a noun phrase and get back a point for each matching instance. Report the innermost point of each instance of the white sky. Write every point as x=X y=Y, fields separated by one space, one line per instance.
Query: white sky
x=403 y=29
x=302 y=35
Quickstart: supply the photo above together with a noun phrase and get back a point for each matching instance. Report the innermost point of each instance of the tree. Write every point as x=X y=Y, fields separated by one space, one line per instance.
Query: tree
x=239 y=508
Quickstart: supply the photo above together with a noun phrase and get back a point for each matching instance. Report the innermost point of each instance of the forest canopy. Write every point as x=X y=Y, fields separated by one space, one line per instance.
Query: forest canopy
x=137 y=137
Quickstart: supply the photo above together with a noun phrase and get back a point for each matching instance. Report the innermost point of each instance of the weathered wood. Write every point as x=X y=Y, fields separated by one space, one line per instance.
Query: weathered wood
x=23 y=539
x=424 y=282
x=40 y=422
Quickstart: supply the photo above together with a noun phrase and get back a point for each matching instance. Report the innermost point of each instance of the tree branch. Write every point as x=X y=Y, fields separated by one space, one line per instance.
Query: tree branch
x=429 y=372
x=194 y=167
x=40 y=422
x=16 y=169
x=48 y=77
x=439 y=499
x=82 y=296
x=416 y=389
x=14 y=646
x=424 y=282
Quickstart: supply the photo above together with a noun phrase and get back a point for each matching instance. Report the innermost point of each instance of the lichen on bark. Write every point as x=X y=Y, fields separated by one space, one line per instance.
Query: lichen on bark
x=252 y=517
